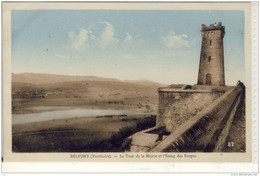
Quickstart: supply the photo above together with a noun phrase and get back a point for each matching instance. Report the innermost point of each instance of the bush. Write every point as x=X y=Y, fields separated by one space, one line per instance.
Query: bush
x=119 y=142
x=118 y=139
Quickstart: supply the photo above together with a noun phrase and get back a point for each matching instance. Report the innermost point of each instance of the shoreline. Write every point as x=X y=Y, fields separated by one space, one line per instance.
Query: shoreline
x=39 y=109
x=53 y=113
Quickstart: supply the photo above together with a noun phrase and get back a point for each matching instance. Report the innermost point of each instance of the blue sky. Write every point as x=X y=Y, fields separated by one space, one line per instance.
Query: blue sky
x=161 y=46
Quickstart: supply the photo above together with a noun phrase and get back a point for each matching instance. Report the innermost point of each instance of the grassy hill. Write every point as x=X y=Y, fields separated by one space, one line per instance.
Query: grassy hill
x=32 y=90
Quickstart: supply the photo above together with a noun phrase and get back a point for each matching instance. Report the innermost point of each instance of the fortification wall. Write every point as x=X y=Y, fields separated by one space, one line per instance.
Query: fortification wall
x=197 y=133
x=177 y=106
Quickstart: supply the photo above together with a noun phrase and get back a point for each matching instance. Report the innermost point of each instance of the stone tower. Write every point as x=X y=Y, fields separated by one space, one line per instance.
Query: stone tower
x=211 y=69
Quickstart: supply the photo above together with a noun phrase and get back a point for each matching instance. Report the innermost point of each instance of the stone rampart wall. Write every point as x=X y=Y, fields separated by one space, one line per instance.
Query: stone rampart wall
x=177 y=107
x=197 y=132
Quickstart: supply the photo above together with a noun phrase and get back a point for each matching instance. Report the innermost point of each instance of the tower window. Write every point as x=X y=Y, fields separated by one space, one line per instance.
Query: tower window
x=209 y=58
x=210 y=42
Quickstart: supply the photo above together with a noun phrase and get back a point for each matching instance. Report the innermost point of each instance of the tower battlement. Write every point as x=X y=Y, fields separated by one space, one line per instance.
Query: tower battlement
x=213 y=27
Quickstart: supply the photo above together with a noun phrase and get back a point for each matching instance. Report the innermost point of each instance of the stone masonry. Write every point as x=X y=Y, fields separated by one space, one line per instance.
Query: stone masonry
x=177 y=106
x=211 y=68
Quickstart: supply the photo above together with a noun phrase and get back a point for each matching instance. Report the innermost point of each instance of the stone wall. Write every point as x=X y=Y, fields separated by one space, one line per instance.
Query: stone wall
x=177 y=106
x=197 y=133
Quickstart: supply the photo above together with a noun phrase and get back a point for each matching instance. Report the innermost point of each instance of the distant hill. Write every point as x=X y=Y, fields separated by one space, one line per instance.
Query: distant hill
x=143 y=82
x=42 y=78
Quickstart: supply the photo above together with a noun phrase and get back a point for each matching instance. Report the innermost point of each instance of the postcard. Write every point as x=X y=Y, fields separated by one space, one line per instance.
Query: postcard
x=157 y=83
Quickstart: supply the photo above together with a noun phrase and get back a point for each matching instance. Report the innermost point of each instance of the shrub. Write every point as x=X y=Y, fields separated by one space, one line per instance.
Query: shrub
x=118 y=141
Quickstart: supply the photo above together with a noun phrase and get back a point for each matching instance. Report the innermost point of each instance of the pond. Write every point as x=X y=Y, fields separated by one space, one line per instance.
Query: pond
x=68 y=114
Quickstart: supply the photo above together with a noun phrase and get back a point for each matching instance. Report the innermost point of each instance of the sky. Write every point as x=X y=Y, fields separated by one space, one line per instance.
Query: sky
x=157 y=45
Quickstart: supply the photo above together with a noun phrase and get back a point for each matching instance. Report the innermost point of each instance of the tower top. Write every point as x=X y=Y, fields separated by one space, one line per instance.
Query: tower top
x=213 y=27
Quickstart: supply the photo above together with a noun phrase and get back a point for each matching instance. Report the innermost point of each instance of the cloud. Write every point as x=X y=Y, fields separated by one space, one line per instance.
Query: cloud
x=108 y=36
x=79 y=41
x=131 y=42
x=175 y=41
x=85 y=38
x=128 y=37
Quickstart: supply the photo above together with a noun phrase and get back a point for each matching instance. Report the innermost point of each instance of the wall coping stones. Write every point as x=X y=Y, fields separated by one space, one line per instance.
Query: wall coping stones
x=183 y=88
x=184 y=91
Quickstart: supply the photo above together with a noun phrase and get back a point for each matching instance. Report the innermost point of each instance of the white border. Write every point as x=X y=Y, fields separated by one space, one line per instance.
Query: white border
x=69 y=167
x=255 y=88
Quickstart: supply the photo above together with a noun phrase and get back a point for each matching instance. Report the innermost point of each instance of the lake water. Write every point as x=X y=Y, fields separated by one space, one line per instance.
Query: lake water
x=68 y=114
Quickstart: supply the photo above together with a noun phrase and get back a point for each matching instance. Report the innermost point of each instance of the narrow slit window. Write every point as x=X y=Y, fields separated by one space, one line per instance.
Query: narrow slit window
x=210 y=42
x=209 y=58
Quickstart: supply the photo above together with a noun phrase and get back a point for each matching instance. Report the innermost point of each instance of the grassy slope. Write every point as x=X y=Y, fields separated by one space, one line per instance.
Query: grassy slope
x=75 y=135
